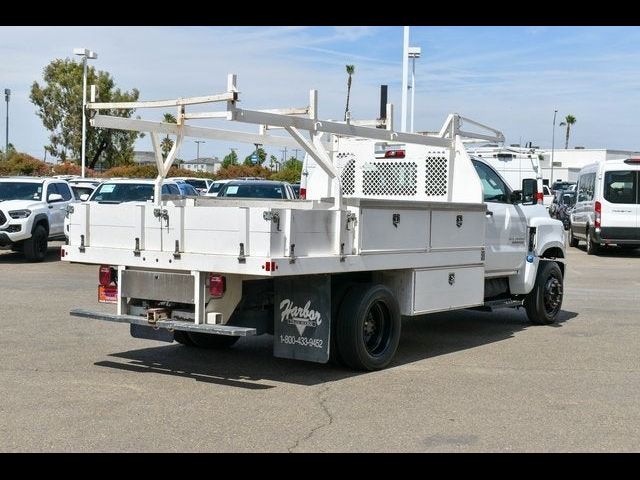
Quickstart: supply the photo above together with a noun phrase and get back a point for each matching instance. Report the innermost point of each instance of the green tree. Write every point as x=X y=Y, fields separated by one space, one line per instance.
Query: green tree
x=568 y=121
x=262 y=156
x=291 y=171
x=350 y=71
x=59 y=105
x=167 y=144
x=230 y=159
x=273 y=161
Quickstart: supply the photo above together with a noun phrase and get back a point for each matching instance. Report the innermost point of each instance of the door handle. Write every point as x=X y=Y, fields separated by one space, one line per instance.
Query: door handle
x=50 y=206
x=489 y=213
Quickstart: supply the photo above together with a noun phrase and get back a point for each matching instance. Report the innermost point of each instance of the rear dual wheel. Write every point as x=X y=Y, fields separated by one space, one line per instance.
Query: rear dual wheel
x=368 y=327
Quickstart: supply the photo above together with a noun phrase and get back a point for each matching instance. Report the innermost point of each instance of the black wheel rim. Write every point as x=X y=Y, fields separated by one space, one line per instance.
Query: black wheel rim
x=552 y=295
x=376 y=329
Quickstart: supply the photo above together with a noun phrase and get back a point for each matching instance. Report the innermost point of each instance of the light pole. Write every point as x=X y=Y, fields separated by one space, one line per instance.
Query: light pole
x=85 y=54
x=414 y=52
x=405 y=78
x=198 y=142
x=553 y=144
x=7 y=94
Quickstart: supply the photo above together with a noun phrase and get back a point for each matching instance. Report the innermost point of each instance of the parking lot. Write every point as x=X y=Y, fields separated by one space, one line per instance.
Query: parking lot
x=463 y=381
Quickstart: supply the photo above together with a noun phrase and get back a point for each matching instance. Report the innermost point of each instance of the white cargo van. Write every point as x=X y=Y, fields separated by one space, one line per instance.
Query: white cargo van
x=607 y=208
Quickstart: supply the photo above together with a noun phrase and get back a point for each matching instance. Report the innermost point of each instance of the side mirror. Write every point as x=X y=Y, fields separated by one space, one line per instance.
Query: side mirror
x=529 y=191
x=54 y=197
x=516 y=196
x=84 y=197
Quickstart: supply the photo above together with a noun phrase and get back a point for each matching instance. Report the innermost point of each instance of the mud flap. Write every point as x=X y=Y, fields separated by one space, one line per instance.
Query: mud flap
x=150 y=333
x=302 y=318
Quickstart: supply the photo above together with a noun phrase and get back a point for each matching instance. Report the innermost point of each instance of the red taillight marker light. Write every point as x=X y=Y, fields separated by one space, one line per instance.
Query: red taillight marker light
x=217 y=285
x=394 y=154
x=303 y=193
x=104 y=275
x=598 y=218
x=539 y=198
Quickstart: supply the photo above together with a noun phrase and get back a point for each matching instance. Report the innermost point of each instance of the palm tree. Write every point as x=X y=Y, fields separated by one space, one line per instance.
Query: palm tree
x=167 y=144
x=568 y=121
x=350 y=70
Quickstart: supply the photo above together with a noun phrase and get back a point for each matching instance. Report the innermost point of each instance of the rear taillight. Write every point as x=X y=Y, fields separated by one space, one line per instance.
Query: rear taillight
x=217 y=285
x=539 y=198
x=303 y=193
x=632 y=161
x=394 y=154
x=106 y=275
x=598 y=218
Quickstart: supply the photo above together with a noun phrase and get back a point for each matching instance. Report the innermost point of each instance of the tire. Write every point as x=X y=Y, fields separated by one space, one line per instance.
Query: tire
x=592 y=247
x=368 y=327
x=182 y=337
x=35 y=248
x=573 y=241
x=545 y=300
x=212 y=341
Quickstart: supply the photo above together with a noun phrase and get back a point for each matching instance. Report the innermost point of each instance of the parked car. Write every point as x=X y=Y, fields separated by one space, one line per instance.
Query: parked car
x=560 y=185
x=82 y=192
x=607 y=206
x=32 y=212
x=547 y=197
x=200 y=184
x=186 y=189
x=257 y=189
x=131 y=190
x=215 y=187
x=566 y=203
x=296 y=189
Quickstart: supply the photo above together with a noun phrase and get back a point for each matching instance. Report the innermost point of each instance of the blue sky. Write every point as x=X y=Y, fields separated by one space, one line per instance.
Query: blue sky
x=511 y=78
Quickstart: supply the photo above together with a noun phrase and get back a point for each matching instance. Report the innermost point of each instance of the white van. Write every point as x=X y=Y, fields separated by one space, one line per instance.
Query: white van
x=607 y=208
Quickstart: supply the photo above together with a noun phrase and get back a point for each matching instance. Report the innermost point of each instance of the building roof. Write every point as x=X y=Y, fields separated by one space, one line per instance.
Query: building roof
x=202 y=161
x=144 y=157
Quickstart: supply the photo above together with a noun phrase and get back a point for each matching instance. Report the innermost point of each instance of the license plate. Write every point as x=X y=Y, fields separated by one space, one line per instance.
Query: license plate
x=108 y=294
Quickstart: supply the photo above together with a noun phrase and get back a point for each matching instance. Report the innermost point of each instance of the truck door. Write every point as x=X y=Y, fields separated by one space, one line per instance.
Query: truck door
x=620 y=204
x=56 y=208
x=506 y=224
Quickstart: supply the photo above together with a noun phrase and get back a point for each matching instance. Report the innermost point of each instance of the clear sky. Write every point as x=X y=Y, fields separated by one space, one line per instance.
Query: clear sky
x=511 y=78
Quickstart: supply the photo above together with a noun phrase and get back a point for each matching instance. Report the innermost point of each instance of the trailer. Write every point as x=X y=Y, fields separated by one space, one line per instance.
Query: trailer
x=393 y=224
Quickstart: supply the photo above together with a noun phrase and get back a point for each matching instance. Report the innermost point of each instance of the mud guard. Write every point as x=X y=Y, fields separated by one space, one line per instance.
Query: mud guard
x=302 y=322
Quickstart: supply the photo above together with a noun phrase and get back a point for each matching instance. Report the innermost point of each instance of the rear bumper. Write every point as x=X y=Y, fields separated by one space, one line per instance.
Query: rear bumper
x=618 y=235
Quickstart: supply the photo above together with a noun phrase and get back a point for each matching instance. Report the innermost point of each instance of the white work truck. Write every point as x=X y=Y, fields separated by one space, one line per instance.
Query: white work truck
x=393 y=224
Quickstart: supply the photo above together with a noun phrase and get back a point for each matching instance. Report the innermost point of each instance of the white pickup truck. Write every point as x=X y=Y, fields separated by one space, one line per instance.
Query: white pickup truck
x=393 y=224
x=32 y=212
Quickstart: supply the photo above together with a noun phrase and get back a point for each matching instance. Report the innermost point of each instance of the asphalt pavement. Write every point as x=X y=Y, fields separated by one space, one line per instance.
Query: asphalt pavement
x=461 y=381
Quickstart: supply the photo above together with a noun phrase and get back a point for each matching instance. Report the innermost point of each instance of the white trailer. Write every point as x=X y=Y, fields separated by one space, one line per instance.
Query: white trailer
x=394 y=224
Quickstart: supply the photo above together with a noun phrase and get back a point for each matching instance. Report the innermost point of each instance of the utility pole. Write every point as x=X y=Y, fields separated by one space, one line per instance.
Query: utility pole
x=284 y=154
x=198 y=142
x=553 y=144
x=405 y=79
x=7 y=94
x=296 y=150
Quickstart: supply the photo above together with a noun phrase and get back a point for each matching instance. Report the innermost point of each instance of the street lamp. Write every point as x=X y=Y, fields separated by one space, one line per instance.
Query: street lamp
x=198 y=142
x=414 y=52
x=553 y=144
x=7 y=94
x=85 y=54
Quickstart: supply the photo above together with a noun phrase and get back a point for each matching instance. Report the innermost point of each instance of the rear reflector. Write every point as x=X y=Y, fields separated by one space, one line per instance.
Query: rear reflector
x=217 y=285
x=107 y=294
x=105 y=275
x=394 y=154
